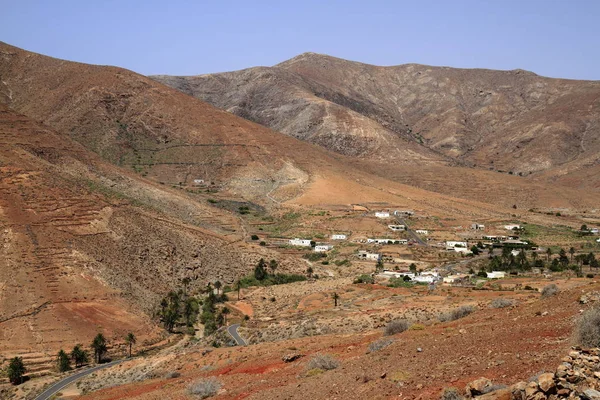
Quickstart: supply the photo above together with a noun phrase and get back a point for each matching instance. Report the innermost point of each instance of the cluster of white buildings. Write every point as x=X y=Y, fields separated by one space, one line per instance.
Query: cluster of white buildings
x=300 y=242
x=339 y=237
x=422 y=232
x=512 y=227
x=382 y=214
x=423 y=277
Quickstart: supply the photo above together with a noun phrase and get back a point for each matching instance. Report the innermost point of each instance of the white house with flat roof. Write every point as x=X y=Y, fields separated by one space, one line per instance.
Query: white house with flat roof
x=339 y=236
x=397 y=227
x=453 y=244
x=512 y=227
x=322 y=248
x=496 y=275
x=382 y=214
x=365 y=255
x=300 y=242
x=422 y=232
x=477 y=227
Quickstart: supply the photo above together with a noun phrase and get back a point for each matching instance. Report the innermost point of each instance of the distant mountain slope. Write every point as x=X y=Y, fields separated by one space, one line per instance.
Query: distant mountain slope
x=498 y=120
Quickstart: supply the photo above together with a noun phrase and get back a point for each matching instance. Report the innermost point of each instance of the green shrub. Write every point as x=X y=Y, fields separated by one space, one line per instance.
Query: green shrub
x=254 y=237
x=204 y=388
x=379 y=344
x=364 y=278
x=587 y=331
x=501 y=303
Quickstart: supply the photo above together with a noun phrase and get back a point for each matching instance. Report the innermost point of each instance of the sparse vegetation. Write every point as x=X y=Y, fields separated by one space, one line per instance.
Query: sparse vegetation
x=550 y=290
x=501 y=303
x=457 y=313
x=204 y=388
x=587 y=332
x=379 y=344
x=395 y=327
x=79 y=356
x=63 y=363
x=364 y=278
x=323 y=362
x=99 y=346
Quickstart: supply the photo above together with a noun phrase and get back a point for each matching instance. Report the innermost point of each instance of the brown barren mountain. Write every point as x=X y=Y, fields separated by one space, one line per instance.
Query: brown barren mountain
x=505 y=121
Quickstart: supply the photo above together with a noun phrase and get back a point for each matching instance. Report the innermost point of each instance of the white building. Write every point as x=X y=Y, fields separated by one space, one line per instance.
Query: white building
x=396 y=274
x=198 y=181
x=388 y=241
x=462 y=250
x=451 y=244
x=477 y=227
x=422 y=232
x=594 y=231
x=515 y=252
x=454 y=278
x=397 y=227
x=339 y=237
x=496 y=275
x=322 y=248
x=300 y=242
x=382 y=214
x=512 y=227
x=425 y=278
x=368 y=256
x=406 y=213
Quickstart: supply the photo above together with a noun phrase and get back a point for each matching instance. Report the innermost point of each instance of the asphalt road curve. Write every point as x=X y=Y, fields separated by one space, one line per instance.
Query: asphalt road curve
x=232 y=330
x=58 y=386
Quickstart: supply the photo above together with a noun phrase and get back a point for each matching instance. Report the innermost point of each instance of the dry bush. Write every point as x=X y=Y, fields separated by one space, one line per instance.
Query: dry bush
x=550 y=290
x=379 y=344
x=323 y=362
x=587 y=331
x=457 y=313
x=396 y=326
x=451 y=394
x=204 y=388
x=501 y=303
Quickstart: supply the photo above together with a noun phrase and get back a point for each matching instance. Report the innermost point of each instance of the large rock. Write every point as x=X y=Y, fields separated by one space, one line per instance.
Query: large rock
x=590 y=394
x=546 y=382
x=500 y=394
x=478 y=386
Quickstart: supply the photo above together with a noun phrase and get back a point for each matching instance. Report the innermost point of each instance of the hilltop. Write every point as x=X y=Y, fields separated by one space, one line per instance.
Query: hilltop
x=506 y=121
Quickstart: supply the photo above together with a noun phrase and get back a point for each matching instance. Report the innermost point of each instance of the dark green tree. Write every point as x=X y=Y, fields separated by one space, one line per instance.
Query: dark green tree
x=548 y=254
x=260 y=271
x=475 y=250
x=413 y=268
x=571 y=252
x=63 y=362
x=15 y=371
x=218 y=286
x=130 y=340
x=190 y=311
x=273 y=266
x=79 y=356
x=562 y=258
x=238 y=287
x=99 y=347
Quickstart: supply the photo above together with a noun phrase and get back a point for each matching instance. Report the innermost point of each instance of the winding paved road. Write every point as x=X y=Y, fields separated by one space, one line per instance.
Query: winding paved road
x=232 y=330
x=58 y=386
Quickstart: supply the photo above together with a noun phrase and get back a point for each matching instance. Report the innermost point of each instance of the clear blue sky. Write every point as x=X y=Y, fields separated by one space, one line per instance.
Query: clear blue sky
x=550 y=37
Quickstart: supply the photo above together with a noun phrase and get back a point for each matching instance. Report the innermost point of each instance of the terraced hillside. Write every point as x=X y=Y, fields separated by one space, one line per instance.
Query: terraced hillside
x=88 y=247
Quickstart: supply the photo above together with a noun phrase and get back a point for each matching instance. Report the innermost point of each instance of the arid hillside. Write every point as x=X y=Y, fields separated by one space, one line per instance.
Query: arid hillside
x=87 y=246
x=508 y=121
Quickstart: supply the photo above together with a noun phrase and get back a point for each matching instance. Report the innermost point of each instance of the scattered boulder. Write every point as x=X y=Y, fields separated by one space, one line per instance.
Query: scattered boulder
x=546 y=382
x=478 y=387
x=291 y=357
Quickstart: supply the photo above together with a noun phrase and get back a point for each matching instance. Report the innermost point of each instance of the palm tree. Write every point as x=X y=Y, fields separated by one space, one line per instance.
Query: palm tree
x=548 y=253
x=186 y=281
x=571 y=252
x=63 y=362
x=238 y=287
x=218 y=286
x=335 y=299
x=130 y=340
x=273 y=266
x=309 y=271
x=79 y=356
x=15 y=371
x=99 y=347
x=225 y=311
